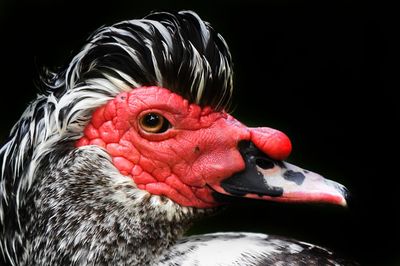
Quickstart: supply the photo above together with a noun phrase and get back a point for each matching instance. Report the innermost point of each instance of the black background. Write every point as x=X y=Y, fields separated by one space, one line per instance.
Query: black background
x=321 y=72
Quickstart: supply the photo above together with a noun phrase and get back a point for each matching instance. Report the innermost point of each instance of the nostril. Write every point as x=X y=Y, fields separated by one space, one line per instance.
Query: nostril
x=264 y=163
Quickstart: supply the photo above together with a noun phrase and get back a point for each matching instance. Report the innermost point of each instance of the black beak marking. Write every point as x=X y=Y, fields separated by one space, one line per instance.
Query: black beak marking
x=250 y=180
x=294 y=176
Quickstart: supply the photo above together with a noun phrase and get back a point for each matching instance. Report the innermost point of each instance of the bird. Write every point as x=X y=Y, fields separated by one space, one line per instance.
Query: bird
x=131 y=142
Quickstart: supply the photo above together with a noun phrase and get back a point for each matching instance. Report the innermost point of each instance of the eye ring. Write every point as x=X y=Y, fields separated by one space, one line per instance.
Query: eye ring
x=154 y=123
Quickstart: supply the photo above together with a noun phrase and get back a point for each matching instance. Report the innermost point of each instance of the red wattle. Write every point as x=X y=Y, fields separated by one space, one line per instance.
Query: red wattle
x=272 y=142
x=199 y=148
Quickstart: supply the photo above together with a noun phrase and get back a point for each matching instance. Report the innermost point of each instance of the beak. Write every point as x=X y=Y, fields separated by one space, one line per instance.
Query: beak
x=269 y=179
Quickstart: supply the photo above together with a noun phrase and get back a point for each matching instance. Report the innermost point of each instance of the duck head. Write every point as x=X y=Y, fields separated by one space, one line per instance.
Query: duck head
x=190 y=154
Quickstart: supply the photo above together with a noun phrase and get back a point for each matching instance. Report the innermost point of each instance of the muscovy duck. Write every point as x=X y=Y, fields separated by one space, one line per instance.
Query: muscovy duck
x=131 y=142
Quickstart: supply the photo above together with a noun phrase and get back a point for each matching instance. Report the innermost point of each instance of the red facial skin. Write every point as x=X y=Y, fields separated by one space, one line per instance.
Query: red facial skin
x=199 y=149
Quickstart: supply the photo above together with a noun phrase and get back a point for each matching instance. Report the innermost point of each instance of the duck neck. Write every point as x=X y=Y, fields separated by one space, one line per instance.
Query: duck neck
x=90 y=214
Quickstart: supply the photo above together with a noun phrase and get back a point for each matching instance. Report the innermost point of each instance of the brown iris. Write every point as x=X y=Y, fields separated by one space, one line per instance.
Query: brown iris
x=154 y=123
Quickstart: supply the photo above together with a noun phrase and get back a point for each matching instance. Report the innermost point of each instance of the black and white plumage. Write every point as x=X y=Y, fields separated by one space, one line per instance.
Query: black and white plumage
x=246 y=249
x=62 y=205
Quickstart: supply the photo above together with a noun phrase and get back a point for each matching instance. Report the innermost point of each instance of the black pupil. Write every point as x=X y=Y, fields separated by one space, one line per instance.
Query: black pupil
x=152 y=120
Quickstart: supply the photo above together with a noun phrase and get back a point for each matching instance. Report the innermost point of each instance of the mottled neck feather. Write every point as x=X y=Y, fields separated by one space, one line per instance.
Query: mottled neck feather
x=90 y=213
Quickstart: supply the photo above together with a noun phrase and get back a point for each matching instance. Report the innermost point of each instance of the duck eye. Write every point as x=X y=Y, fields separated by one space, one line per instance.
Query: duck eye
x=154 y=123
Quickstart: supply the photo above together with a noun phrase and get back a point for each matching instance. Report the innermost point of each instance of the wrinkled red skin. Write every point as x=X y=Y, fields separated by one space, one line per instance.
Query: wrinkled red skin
x=200 y=148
